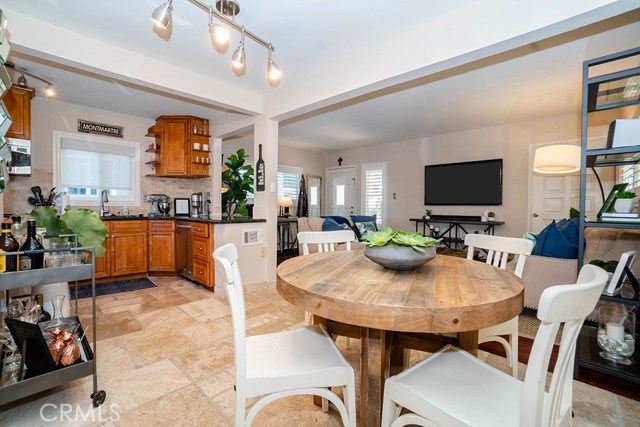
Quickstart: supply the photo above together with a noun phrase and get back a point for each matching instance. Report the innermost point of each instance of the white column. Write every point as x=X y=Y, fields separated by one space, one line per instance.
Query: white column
x=266 y=203
x=216 y=177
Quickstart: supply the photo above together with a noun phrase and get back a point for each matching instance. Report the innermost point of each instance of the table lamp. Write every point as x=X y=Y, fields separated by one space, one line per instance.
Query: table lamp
x=284 y=204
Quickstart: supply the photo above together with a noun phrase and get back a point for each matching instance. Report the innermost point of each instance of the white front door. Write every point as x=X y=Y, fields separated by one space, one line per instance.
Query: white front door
x=341 y=190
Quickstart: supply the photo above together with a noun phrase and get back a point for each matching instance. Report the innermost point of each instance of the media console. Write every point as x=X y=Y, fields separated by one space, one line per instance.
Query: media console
x=453 y=235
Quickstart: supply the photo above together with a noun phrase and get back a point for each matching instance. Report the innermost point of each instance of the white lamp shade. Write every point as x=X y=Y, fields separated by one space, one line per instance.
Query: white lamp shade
x=557 y=159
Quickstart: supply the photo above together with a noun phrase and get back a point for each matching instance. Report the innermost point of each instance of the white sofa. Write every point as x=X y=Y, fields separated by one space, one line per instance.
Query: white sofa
x=601 y=243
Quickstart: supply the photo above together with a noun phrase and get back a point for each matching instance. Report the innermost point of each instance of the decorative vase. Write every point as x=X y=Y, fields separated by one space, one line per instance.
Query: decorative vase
x=399 y=257
x=616 y=332
x=623 y=205
x=492 y=218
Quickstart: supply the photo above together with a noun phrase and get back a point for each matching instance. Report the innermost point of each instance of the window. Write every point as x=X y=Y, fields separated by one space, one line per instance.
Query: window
x=84 y=165
x=374 y=189
x=289 y=182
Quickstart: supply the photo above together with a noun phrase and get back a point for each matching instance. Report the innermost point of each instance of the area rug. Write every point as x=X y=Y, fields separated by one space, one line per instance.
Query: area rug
x=528 y=325
x=84 y=291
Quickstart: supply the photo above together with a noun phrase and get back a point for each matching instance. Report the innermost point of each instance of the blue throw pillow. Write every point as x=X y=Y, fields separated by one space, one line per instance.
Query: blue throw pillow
x=552 y=242
x=339 y=219
x=569 y=229
x=330 y=225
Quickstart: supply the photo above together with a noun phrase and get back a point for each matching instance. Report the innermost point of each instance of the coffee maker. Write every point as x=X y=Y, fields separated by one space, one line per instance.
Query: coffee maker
x=197 y=205
x=159 y=205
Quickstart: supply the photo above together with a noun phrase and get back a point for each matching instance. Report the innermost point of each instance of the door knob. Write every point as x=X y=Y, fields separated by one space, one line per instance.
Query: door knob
x=535 y=215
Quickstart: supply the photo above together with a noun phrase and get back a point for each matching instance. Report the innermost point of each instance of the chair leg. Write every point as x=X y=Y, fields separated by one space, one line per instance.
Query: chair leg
x=513 y=340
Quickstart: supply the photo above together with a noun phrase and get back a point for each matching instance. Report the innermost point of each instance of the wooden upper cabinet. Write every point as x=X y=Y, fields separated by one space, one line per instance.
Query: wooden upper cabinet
x=181 y=148
x=18 y=103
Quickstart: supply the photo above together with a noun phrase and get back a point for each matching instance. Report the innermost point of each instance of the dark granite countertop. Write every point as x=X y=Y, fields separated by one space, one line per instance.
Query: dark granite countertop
x=179 y=218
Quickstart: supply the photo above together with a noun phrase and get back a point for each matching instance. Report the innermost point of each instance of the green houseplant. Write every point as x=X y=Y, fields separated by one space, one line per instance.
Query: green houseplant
x=85 y=223
x=238 y=181
x=399 y=250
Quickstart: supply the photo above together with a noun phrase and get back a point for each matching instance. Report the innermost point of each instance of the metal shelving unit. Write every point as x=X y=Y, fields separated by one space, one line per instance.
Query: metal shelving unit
x=595 y=93
x=19 y=279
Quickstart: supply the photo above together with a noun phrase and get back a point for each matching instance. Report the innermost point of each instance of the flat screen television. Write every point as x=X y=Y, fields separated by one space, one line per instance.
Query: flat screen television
x=468 y=183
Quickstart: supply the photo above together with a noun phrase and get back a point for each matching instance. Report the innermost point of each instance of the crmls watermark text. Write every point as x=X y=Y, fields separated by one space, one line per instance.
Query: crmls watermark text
x=66 y=412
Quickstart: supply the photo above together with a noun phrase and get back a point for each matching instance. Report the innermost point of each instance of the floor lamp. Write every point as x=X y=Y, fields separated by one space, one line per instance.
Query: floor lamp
x=560 y=159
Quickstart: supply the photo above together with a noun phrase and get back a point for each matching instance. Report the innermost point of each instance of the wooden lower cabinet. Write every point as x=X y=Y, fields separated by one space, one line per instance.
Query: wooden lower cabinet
x=162 y=242
x=127 y=251
x=202 y=247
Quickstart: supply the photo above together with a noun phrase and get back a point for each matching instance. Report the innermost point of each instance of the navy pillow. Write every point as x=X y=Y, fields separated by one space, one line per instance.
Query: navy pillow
x=330 y=225
x=552 y=243
x=569 y=230
x=339 y=219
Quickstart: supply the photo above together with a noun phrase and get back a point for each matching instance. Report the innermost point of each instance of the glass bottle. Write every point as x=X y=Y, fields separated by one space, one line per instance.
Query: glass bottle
x=31 y=261
x=8 y=243
x=43 y=315
x=17 y=229
x=260 y=172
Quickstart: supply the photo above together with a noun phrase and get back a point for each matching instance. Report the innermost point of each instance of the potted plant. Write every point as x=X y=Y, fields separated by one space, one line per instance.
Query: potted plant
x=399 y=250
x=624 y=201
x=427 y=214
x=238 y=181
x=491 y=216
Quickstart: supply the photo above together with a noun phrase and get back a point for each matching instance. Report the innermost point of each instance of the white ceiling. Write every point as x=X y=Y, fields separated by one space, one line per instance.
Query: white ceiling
x=308 y=33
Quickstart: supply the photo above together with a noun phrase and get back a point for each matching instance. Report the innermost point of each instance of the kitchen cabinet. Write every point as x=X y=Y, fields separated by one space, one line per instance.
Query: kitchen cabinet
x=18 y=103
x=126 y=247
x=602 y=92
x=180 y=148
x=162 y=240
x=202 y=247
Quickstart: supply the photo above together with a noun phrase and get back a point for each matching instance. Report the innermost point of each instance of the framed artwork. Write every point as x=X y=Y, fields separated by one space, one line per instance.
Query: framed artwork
x=32 y=346
x=611 y=198
x=182 y=207
x=617 y=280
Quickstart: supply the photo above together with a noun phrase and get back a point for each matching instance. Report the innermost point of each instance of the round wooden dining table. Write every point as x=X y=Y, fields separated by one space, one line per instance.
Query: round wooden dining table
x=407 y=309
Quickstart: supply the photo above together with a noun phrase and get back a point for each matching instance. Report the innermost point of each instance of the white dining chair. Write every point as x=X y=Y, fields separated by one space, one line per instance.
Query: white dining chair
x=454 y=388
x=291 y=362
x=326 y=241
x=498 y=249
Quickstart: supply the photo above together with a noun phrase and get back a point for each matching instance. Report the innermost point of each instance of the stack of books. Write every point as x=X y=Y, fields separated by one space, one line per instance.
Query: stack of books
x=620 y=217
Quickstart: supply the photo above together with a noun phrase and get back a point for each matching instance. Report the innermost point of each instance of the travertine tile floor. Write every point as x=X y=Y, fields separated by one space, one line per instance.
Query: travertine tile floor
x=165 y=358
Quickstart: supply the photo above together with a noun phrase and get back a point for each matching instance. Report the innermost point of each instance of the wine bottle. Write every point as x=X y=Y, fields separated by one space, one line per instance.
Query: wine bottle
x=31 y=261
x=8 y=243
x=43 y=315
x=260 y=170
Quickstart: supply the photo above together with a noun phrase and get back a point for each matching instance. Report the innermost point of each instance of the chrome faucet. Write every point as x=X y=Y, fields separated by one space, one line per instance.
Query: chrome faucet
x=104 y=198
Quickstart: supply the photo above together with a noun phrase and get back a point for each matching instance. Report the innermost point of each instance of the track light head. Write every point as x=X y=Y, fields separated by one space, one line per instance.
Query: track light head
x=49 y=91
x=219 y=34
x=22 y=81
x=273 y=71
x=161 y=17
x=239 y=57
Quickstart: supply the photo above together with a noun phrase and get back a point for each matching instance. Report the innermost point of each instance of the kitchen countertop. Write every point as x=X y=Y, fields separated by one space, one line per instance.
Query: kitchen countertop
x=179 y=218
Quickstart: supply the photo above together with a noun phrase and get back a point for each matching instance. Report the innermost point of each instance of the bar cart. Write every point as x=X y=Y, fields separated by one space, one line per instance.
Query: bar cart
x=83 y=368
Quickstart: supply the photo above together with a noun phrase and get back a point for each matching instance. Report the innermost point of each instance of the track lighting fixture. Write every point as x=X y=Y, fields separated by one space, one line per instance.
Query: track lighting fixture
x=49 y=91
x=219 y=33
x=161 y=17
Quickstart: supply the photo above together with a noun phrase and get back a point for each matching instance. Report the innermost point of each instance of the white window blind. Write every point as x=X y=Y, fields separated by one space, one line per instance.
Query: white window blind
x=631 y=175
x=374 y=188
x=288 y=181
x=91 y=164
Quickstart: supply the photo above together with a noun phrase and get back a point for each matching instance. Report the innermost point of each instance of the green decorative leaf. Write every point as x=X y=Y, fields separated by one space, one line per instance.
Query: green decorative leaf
x=47 y=217
x=388 y=237
x=88 y=226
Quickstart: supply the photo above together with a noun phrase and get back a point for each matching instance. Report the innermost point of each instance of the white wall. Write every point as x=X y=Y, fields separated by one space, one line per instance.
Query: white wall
x=406 y=161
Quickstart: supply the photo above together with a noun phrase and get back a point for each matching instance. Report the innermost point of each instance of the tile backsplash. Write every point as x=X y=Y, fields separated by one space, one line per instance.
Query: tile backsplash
x=19 y=190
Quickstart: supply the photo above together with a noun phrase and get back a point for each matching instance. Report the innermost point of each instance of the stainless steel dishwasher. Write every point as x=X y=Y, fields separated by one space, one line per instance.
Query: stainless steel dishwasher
x=184 y=252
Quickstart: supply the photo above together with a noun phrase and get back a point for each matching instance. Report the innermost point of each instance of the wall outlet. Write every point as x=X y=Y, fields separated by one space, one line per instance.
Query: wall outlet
x=263 y=252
